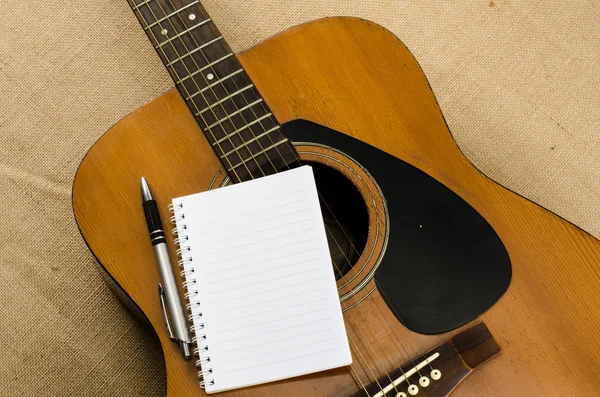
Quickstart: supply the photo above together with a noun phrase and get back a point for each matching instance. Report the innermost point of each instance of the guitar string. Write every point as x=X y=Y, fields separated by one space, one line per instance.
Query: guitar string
x=243 y=95
x=160 y=25
x=349 y=312
x=247 y=83
x=356 y=325
x=228 y=93
x=222 y=84
x=380 y=313
x=145 y=22
x=229 y=118
x=178 y=78
x=356 y=346
x=368 y=318
x=421 y=356
x=177 y=74
x=211 y=87
x=371 y=324
x=237 y=87
x=274 y=168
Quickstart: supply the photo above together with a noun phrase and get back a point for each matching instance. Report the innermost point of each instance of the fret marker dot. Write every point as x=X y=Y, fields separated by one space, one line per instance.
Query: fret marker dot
x=192 y=17
x=210 y=76
x=164 y=32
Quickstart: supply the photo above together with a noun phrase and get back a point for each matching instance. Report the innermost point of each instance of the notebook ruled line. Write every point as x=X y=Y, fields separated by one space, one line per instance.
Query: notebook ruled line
x=252 y=213
x=279 y=351
x=276 y=320
x=270 y=311
x=262 y=273
x=268 y=281
x=281 y=361
x=253 y=233
x=280 y=196
x=257 y=242
x=259 y=262
x=276 y=330
x=269 y=301
x=259 y=252
x=263 y=292
x=228 y=279
x=254 y=223
x=279 y=340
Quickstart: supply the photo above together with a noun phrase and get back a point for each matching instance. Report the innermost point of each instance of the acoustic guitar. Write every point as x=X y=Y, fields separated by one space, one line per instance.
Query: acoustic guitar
x=424 y=246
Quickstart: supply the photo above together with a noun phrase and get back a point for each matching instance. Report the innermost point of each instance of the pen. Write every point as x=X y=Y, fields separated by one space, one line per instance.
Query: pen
x=168 y=293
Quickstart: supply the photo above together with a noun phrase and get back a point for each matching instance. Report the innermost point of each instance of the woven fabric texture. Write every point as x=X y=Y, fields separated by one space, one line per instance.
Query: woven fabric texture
x=519 y=84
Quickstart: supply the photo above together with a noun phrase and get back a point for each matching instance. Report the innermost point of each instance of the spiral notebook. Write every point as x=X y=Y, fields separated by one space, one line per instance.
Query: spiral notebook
x=259 y=281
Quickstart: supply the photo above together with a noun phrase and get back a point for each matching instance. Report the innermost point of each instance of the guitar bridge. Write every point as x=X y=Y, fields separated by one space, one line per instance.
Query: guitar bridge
x=439 y=371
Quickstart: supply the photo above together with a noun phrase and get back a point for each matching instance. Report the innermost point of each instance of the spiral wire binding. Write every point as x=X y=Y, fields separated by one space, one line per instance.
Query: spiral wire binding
x=193 y=307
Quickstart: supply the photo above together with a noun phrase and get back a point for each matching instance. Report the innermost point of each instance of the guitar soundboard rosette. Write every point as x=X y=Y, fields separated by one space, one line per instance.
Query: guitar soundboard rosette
x=190 y=286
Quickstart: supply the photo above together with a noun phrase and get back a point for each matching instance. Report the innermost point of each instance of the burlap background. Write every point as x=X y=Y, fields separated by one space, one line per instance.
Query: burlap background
x=518 y=81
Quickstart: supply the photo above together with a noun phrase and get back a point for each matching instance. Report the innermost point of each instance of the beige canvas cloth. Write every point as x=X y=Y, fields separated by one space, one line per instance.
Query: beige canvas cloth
x=518 y=81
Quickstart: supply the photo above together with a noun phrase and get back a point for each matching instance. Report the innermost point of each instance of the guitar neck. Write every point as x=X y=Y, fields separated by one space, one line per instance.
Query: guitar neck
x=228 y=108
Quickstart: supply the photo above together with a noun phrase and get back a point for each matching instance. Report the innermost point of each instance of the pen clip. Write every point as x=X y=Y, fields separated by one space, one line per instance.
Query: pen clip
x=161 y=295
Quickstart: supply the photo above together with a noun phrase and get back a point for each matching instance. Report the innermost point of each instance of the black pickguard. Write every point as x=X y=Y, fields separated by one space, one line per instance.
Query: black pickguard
x=444 y=265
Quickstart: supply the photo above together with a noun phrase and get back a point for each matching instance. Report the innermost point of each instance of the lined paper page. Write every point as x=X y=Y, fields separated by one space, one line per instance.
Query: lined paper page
x=266 y=287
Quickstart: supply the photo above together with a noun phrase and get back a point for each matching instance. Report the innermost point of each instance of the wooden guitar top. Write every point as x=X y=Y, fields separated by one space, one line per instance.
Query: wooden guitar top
x=357 y=78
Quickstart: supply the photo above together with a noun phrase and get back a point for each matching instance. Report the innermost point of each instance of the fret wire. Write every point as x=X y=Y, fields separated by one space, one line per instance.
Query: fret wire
x=253 y=140
x=235 y=104
x=243 y=128
x=216 y=83
x=265 y=109
x=177 y=74
x=171 y=14
x=210 y=65
x=221 y=101
x=194 y=51
x=238 y=92
x=198 y=66
x=169 y=40
x=264 y=151
x=137 y=6
x=239 y=111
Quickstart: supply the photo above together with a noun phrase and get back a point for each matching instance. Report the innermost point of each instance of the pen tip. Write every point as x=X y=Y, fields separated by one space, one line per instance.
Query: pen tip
x=146 y=194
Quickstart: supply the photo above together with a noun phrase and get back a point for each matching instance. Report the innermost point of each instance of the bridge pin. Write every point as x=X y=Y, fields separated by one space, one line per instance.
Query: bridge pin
x=424 y=381
x=413 y=390
x=401 y=394
x=436 y=374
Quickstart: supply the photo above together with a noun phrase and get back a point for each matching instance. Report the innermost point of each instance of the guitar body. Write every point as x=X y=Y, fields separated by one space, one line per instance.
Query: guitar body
x=356 y=82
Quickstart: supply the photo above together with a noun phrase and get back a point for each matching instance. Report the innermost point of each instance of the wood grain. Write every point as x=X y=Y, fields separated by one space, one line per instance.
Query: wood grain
x=459 y=357
x=192 y=50
x=356 y=77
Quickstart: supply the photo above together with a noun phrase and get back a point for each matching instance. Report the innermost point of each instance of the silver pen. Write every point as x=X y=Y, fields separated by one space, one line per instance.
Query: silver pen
x=168 y=292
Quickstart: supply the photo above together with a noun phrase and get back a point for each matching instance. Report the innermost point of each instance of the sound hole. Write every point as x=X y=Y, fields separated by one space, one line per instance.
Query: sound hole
x=345 y=215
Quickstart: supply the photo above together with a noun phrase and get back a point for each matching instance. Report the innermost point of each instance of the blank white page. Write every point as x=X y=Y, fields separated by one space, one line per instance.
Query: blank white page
x=265 y=285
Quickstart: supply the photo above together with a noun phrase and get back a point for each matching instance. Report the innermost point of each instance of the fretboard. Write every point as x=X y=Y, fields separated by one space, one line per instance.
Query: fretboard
x=227 y=106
